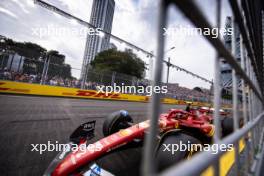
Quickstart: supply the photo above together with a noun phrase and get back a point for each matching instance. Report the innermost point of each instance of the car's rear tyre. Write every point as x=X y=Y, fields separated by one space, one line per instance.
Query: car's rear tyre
x=227 y=126
x=166 y=158
x=116 y=121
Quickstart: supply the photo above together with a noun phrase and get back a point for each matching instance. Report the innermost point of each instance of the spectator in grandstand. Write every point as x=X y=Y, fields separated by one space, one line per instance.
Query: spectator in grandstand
x=174 y=90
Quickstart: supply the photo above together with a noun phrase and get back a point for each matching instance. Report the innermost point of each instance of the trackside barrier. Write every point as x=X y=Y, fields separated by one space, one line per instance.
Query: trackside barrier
x=44 y=90
x=226 y=161
x=249 y=70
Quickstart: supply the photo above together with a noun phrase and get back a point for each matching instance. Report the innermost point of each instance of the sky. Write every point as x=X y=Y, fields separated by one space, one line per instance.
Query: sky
x=134 y=20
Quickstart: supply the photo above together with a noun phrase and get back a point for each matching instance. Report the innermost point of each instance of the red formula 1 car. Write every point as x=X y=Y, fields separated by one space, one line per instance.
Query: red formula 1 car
x=119 y=152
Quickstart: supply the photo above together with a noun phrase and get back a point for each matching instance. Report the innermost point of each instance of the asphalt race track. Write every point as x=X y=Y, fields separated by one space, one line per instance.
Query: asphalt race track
x=26 y=120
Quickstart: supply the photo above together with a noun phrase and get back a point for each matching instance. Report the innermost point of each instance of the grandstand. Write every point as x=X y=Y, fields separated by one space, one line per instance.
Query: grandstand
x=174 y=89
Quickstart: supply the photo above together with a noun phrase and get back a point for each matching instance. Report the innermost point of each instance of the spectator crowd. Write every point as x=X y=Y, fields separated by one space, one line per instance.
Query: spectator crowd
x=174 y=90
x=183 y=93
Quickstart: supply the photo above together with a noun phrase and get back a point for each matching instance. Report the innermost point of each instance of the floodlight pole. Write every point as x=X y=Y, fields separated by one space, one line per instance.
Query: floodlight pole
x=83 y=79
x=45 y=68
x=168 y=69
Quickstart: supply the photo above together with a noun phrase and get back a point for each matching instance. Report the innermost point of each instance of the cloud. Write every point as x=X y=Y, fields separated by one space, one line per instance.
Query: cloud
x=134 y=21
x=79 y=8
x=9 y=13
x=21 y=5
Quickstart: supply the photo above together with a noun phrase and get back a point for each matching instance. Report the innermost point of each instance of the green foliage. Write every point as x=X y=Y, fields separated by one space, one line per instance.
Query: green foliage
x=35 y=57
x=198 y=89
x=27 y=49
x=120 y=62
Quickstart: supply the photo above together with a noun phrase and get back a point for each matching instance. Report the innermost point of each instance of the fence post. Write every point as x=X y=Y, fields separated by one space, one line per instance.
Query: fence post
x=235 y=96
x=244 y=105
x=113 y=78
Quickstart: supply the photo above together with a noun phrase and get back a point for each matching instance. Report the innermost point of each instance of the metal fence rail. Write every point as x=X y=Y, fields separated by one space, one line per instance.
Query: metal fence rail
x=250 y=71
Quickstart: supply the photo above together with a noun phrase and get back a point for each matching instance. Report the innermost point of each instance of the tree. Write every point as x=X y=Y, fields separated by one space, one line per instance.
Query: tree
x=35 y=56
x=198 y=89
x=26 y=49
x=57 y=65
x=120 y=62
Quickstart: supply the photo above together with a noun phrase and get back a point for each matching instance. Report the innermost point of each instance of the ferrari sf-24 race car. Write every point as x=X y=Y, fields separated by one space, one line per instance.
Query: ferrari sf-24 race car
x=120 y=151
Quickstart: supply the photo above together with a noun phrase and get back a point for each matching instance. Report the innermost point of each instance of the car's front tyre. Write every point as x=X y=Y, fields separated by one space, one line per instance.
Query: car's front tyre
x=116 y=121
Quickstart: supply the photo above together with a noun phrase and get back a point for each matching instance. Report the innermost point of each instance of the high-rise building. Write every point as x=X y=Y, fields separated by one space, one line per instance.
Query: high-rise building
x=101 y=17
x=226 y=70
